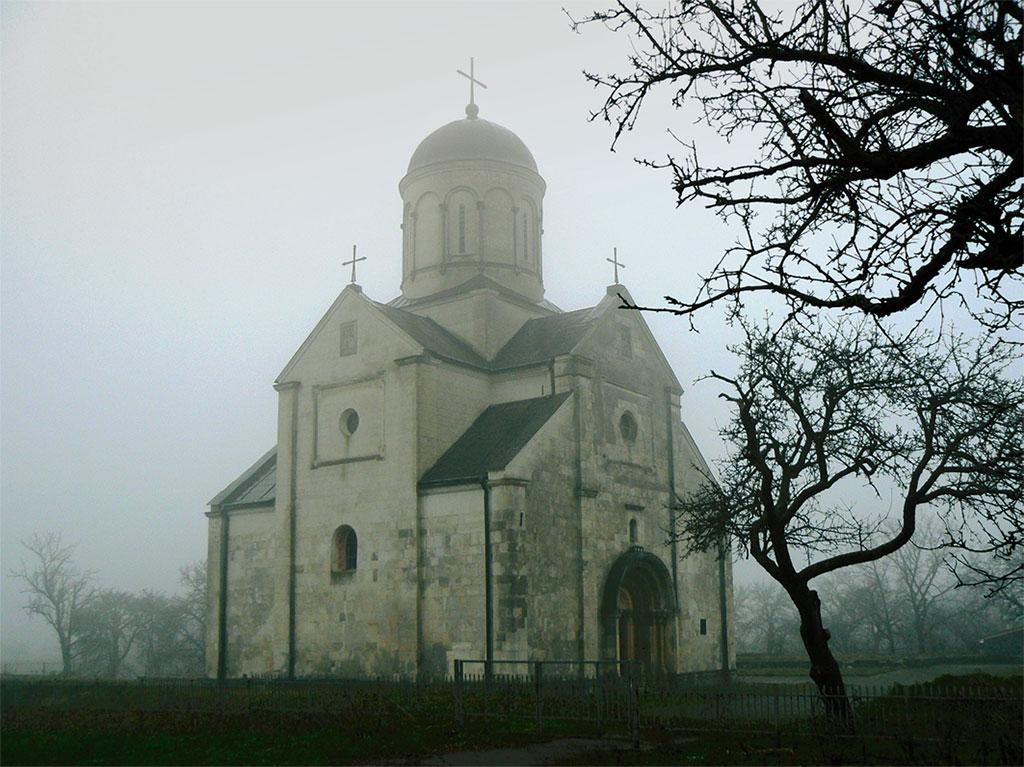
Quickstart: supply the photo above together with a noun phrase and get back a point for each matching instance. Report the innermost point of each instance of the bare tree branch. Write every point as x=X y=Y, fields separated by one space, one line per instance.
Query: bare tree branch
x=886 y=147
x=822 y=408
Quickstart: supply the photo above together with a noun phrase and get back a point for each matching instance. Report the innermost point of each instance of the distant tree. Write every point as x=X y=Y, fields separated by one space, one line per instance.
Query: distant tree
x=884 y=145
x=920 y=569
x=861 y=608
x=965 y=616
x=990 y=554
x=819 y=409
x=57 y=590
x=172 y=640
x=880 y=604
x=159 y=647
x=765 y=618
x=193 y=579
x=110 y=625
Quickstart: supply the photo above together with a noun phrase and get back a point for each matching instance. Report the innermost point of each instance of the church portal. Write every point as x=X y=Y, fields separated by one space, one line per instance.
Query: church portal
x=639 y=612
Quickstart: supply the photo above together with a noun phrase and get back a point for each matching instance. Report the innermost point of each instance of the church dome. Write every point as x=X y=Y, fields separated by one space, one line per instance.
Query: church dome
x=472 y=139
x=472 y=205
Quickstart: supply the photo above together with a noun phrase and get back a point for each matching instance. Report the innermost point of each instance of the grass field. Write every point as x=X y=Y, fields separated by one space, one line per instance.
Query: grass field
x=306 y=723
x=39 y=736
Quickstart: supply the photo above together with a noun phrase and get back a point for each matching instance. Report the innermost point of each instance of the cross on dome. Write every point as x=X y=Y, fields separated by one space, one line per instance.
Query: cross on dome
x=472 y=110
x=614 y=261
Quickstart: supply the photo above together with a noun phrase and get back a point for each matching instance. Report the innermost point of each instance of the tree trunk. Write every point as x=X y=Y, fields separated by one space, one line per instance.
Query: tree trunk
x=824 y=667
x=65 y=656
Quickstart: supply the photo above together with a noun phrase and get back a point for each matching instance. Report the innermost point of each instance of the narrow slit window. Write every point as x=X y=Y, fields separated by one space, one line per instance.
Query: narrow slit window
x=526 y=242
x=462 y=228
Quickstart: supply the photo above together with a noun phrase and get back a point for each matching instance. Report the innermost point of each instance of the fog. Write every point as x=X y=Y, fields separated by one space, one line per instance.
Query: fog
x=181 y=182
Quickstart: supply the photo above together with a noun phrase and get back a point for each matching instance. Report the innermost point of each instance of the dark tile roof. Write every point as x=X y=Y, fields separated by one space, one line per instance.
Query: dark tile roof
x=256 y=486
x=433 y=337
x=494 y=439
x=543 y=338
x=538 y=340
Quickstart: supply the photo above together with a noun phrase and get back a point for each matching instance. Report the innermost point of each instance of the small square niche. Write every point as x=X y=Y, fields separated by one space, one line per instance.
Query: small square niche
x=349 y=338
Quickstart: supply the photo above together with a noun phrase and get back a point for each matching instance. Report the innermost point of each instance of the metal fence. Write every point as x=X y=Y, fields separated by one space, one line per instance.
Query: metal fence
x=606 y=696
x=603 y=692
x=618 y=695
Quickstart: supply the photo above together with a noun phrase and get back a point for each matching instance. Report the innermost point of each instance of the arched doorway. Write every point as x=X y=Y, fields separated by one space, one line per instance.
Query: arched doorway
x=638 y=612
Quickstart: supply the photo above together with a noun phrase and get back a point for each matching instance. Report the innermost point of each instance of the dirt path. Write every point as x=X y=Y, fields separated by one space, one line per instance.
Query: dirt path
x=897 y=676
x=536 y=754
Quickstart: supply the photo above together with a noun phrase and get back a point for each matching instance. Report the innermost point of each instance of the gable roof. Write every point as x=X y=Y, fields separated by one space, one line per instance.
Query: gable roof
x=432 y=337
x=493 y=440
x=537 y=341
x=257 y=486
x=543 y=338
x=476 y=282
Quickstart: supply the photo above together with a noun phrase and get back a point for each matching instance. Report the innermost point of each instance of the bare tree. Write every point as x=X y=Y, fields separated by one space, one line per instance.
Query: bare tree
x=864 y=610
x=57 y=590
x=882 y=606
x=990 y=554
x=886 y=146
x=764 y=618
x=165 y=643
x=967 y=616
x=919 y=570
x=820 y=409
x=110 y=625
x=193 y=578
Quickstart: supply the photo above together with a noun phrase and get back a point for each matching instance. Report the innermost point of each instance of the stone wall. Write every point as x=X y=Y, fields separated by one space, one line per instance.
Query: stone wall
x=362 y=621
x=452 y=600
x=538 y=545
x=250 y=591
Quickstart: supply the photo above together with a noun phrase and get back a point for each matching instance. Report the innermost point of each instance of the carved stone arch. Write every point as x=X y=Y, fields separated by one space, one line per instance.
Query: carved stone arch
x=428 y=230
x=638 y=612
x=499 y=225
x=407 y=231
x=527 y=234
x=461 y=189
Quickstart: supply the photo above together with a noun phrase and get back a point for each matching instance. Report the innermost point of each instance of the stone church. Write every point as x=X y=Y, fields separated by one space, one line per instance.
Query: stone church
x=467 y=471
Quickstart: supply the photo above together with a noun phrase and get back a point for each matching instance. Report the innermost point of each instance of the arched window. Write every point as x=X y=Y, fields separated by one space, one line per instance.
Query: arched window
x=628 y=427
x=345 y=550
x=632 y=531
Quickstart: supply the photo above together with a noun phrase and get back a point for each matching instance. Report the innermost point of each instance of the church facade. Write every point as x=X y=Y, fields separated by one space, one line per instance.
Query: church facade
x=466 y=471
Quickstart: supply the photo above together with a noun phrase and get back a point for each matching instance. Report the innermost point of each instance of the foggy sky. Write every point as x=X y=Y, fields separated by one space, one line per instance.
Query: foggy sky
x=180 y=183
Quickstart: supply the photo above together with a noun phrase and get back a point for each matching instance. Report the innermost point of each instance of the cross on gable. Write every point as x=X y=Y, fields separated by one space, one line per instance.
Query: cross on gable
x=353 y=263
x=614 y=261
x=471 y=108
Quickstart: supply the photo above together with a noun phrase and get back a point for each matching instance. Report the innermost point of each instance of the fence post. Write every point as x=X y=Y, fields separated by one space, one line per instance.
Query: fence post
x=633 y=706
x=538 y=672
x=460 y=714
x=776 y=717
x=487 y=688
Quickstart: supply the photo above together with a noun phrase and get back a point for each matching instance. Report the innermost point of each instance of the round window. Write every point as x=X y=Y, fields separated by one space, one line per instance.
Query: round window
x=349 y=421
x=627 y=427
